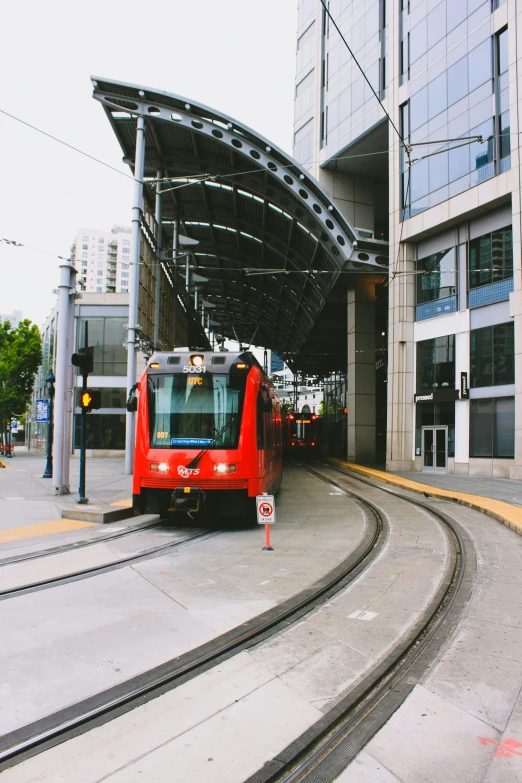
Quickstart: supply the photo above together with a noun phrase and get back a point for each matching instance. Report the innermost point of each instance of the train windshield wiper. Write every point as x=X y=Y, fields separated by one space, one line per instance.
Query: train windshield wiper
x=194 y=462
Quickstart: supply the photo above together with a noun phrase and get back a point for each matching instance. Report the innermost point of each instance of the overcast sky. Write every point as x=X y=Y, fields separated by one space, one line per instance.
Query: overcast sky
x=237 y=56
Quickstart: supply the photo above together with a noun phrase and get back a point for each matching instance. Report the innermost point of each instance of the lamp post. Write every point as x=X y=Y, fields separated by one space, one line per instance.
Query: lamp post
x=48 y=472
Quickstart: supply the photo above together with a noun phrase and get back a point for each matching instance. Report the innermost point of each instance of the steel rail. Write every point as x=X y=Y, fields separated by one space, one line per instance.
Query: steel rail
x=57 y=550
x=73 y=576
x=33 y=738
x=321 y=753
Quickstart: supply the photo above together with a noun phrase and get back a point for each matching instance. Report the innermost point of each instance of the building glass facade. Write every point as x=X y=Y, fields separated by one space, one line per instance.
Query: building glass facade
x=454 y=66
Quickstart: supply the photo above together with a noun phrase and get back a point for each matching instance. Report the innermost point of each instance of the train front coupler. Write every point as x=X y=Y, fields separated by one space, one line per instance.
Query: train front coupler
x=190 y=500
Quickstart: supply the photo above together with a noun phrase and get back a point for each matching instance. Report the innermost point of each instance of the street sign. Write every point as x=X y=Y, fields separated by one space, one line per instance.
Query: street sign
x=14 y=427
x=265 y=510
x=42 y=411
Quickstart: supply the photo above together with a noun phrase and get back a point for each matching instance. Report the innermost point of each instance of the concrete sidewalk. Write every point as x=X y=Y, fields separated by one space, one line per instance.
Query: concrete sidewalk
x=27 y=508
x=501 y=504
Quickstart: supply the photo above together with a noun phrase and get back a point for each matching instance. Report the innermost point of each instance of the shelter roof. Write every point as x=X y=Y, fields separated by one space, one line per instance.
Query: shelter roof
x=275 y=248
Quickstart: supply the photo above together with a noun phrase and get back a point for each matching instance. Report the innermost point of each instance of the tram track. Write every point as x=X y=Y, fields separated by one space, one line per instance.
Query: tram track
x=84 y=542
x=322 y=752
x=113 y=565
x=96 y=710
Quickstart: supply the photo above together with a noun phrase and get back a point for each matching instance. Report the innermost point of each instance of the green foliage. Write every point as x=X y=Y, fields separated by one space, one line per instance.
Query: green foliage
x=286 y=407
x=20 y=357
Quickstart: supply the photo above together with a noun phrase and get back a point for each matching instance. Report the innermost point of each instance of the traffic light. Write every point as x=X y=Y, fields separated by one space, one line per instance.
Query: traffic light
x=90 y=400
x=84 y=359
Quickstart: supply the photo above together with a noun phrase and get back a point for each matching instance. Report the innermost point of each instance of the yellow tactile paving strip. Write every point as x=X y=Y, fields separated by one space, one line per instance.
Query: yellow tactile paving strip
x=509 y=515
x=42 y=529
x=2 y=464
x=126 y=503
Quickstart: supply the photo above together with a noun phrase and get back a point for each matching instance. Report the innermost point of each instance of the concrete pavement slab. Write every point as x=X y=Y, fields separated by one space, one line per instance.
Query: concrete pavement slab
x=365 y=769
x=429 y=740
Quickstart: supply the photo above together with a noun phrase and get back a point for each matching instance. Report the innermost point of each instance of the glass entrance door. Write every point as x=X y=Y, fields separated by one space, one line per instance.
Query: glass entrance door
x=435 y=449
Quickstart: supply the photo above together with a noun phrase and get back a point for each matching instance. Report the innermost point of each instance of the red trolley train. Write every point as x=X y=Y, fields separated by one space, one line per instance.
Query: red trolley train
x=208 y=434
x=301 y=437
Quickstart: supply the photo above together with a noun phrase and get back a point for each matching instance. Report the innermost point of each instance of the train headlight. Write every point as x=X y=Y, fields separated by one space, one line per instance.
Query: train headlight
x=163 y=467
x=224 y=467
x=197 y=360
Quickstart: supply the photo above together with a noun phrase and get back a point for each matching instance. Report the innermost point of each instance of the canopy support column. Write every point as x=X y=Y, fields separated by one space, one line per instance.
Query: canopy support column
x=159 y=270
x=134 y=285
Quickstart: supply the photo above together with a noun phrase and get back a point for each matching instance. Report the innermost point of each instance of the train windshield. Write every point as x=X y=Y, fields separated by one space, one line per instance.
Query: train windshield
x=303 y=428
x=188 y=411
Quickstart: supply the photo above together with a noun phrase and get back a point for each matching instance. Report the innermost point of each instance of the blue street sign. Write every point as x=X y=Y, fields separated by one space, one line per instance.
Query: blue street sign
x=42 y=411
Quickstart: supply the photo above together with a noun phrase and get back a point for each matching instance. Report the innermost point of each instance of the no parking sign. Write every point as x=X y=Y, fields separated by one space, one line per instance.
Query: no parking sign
x=265 y=510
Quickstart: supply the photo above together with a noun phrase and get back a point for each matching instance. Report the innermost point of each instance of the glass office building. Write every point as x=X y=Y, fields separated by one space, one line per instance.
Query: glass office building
x=439 y=179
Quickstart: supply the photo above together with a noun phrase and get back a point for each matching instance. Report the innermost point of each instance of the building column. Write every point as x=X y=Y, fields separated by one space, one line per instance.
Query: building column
x=401 y=354
x=361 y=373
x=134 y=286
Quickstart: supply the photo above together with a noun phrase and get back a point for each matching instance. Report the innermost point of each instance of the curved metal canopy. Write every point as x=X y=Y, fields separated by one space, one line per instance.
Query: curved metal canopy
x=273 y=245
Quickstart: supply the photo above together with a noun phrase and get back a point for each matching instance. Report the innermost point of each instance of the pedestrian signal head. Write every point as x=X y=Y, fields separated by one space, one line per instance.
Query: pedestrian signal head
x=90 y=400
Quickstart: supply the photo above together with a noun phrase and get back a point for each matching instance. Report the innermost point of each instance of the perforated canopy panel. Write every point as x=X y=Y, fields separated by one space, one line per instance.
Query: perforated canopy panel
x=275 y=249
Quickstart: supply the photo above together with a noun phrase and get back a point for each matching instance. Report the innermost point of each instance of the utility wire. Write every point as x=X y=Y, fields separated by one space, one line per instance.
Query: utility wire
x=65 y=144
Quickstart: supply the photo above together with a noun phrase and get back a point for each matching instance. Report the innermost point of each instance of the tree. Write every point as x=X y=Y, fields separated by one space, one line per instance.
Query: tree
x=20 y=357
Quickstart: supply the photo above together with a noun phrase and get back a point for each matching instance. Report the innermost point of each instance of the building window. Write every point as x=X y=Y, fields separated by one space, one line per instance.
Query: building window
x=85 y=247
x=502 y=79
x=436 y=364
x=125 y=250
x=491 y=258
x=107 y=335
x=98 y=289
x=436 y=277
x=125 y=290
x=492 y=428
x=99 y=273
x=126 y=241
x=492 y=355
x=124 y=266
x=124 y=274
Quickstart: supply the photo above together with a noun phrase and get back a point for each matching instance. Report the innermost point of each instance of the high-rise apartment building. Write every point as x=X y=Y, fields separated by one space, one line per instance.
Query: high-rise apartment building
x=102 y=259
x=14 y=318
x=439 y=177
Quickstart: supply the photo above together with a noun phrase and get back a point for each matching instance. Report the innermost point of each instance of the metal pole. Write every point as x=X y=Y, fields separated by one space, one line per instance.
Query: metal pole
x=175 y=245
x=62 y=362
x=81 y=489
x=134 y=279
x=48 y=472
x=187 y=272
x=69 y=386
x=159 y=271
